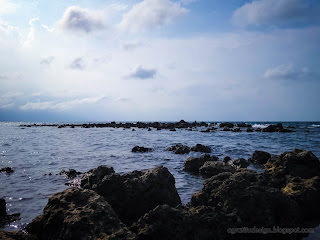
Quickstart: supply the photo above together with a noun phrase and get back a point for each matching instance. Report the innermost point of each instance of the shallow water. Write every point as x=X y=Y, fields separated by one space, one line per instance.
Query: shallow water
x=33 y=152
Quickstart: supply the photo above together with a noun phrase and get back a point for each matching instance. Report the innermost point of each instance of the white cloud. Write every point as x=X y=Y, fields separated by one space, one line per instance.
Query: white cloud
x=47 y=61
x=150 y=14
x=131 y=45
x=51 y=105
x=287 y=72
x=142 y=73
x=6 y=99
x=7 y=7
x=31 y=34
x=81 y=20
x=263 y=12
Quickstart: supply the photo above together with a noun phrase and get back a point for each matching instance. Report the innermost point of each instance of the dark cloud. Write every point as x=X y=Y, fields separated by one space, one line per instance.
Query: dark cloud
x=46 y=61
x=78 y=63
x=143 y=73
x=82 y=20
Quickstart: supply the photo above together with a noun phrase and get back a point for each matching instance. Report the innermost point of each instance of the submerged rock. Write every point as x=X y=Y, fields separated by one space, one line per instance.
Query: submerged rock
x=77 y=214
x=141 y=149
x=179 y=149
x=193 y=164
x=259 y=157
x=201 y=148
x=8 y=170
x=133 y=194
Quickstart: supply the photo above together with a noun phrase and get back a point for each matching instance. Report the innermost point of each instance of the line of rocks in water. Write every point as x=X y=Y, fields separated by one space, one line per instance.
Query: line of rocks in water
x=210 y=127
x=145 y=204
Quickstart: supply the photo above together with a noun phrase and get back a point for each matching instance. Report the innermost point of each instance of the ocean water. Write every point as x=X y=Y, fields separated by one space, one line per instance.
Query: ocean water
x=35 y=152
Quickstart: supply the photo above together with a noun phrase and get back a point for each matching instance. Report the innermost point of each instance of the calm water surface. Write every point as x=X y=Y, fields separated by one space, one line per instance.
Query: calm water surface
x=34 y=152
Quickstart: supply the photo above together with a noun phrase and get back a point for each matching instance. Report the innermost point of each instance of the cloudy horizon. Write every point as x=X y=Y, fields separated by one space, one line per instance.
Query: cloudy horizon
x=160 y=60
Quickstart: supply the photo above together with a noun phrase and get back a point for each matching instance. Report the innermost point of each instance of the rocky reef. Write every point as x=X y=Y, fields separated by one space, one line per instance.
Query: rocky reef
x=145 y=204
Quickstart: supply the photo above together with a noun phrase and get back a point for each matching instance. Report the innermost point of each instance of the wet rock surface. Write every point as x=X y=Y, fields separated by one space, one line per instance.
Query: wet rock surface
x=141 y=149
x=71 y=173
x=211 y=168
x=240 y=163
x=77 y=214
x=260 y=157
x=133 y=194
x=8 y=170
x=4 y=217
x=179 y=149
x=201 y=148
x=193 y=164
x=16 y=235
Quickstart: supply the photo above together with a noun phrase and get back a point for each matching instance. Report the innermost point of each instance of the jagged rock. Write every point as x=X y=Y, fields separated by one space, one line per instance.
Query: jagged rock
x=200 y=223
x=179 y=149
x=226 y=124
x=8 y=170
x=4 y=217
x=273 y=128
x=15 y=235
x=226 y=159
x=77 y=214
x=259 y=157
x=132 y=195
x=211 y=168
x=201 y=148
x=93 y=177
x=193 y=164
x=71 y=173
x=141 y=149
x=226 y=129
x=236 y=130
x=250 y=130
x=240 y=163
x=243 y=195
x=241 y=125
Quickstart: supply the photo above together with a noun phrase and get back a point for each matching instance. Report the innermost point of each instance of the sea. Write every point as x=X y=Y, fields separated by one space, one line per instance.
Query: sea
x=38 y=154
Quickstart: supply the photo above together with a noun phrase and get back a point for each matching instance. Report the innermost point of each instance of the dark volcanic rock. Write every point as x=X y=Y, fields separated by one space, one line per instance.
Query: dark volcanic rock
x=226 y=124
x=273 y=128
x=226 y=159
x=179 y=149
x=141 y=149
x=200 y=223
x=240 y=163
x=15 y=235
x=95 y=176
x=132 y=195
x=236 y=130
x=243 y=195
x=71 y=173
x=77 y=214
x=211 y=168
x=193 y=164
x=8 y=170
x=4 y=217
x=201 y=148
x=241 y=125
x=259 y=157
x=249 y=129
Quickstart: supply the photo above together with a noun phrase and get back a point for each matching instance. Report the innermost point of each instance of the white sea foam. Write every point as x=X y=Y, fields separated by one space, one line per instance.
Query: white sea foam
x=315 y=125
x=260 y=125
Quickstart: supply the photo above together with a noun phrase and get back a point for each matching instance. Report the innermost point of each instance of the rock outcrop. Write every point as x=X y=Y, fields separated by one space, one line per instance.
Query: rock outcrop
x=211 y=168
x=179 y=149
x=193 y=164
x=141 y=149
x=8 y=170
x=133 y=194
x=260 y=157
x=201 y=148
x=4 y=217
x=77 y=214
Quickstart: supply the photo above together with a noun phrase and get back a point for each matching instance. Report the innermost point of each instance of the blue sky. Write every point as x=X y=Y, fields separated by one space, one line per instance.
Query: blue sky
x=160 y=60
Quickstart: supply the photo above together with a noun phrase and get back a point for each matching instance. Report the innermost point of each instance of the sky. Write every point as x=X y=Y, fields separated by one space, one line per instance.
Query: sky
x=160 y=60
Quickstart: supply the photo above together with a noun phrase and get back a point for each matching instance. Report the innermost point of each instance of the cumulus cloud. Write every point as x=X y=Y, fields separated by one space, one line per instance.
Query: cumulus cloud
x=78 y=63
x=7 y=99
x=47 y=61
x=287 y=72
x=143 y=73
x=276 y=12
x=81 y=20
x=7 y=7
x=51 y=105
x=149 y=14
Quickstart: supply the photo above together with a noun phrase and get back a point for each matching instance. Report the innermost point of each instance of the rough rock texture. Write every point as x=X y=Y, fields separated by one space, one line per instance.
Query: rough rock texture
x=259 y=157
x=211 y=168
x=95 y=176
x=226 y=124
x=273 y=128
x=77 y=214
x=4 y=217
x=240 y=163
x=15 y=235
x=179 y=149
x=71 y=173
x=193 y=164
x=201 y=148
x=243 y=195
x=200 y=223
x=134 y=194
x=8 y=170
x=141 y=149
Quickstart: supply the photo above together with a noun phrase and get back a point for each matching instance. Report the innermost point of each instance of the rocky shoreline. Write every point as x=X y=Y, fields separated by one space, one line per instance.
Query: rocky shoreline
x=172 y=126
x=145 y=204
